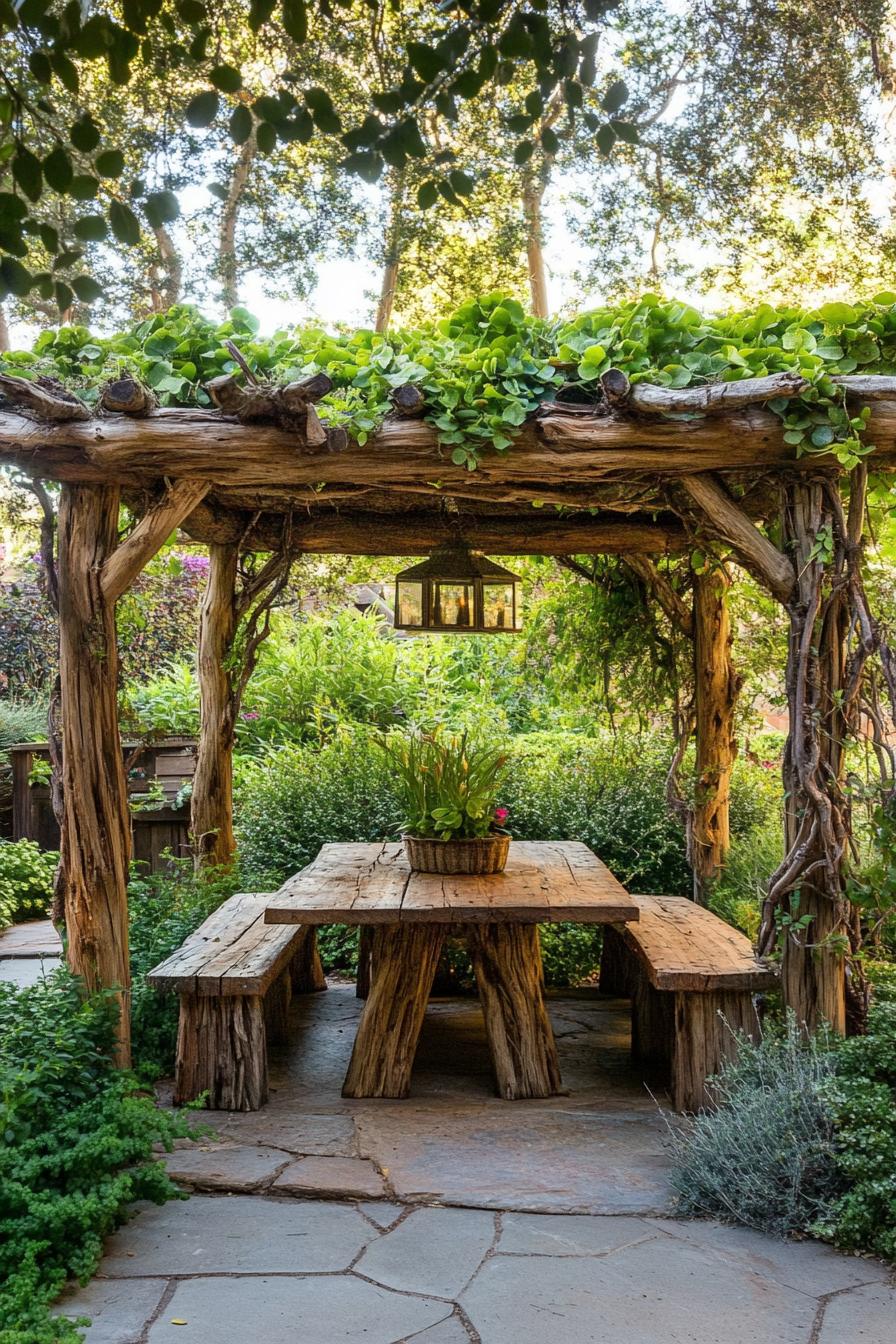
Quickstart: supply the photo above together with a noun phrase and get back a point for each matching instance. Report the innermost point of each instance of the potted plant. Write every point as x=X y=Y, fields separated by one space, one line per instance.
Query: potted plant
x=448 y=788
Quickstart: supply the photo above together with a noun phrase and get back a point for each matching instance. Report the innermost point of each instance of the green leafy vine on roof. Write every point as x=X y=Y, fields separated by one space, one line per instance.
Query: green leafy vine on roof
x=485 y=368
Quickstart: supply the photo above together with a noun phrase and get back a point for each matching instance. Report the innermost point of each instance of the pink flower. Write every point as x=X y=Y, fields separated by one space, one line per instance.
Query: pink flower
x=249 y=715
x=501 y=815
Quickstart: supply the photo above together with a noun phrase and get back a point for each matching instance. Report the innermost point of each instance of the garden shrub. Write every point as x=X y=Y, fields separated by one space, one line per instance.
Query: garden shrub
x=77 y=1148
x=26 y=880
x=803 y=1140
x=765 y=1157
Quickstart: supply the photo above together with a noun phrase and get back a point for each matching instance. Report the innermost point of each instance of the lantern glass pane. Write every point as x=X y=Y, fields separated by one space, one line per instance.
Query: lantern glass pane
x=453 y=605
x=497 y=606
x=410 y=604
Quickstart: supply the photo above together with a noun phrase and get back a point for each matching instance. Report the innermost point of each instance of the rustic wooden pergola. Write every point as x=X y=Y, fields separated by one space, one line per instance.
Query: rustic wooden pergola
x=262 y=476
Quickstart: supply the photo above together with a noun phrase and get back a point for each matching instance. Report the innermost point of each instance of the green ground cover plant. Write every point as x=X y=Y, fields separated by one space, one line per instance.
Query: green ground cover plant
x=488 y=365
x=78 y=1136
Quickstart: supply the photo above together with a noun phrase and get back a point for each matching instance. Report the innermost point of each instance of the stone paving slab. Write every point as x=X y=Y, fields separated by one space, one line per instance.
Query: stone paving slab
x=33 y=938
x=807 y=1266
x=569 y=1234
x=328 y=1135
x=331 y=1178
x=659 y=1292
x=118 y=1309
x=314 y=1310
x=238 y=1234
x=225 y=1167
x=24 y=971
x=434 y=1251
x=382 y=1211
x=863 y=1316
x=520 y=1156
x=452 y=1331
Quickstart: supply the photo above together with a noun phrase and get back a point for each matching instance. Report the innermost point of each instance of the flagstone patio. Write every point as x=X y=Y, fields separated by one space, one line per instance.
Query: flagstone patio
x=456 y=1218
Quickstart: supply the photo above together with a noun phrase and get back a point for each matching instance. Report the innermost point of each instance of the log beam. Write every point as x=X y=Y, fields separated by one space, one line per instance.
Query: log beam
x=730 y=522
x=582 y=450
x=355 y=533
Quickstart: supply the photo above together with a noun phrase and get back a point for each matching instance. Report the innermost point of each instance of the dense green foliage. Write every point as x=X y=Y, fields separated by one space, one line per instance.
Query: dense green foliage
x=488 y=365
x=76 y=1151
x=607 y=791
x=804 y=1138
x=26 y=880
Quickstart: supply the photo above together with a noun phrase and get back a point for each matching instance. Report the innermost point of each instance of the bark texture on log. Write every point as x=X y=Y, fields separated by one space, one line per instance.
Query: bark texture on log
x=96 y=838
x=730 y=522
x=705 y=1035
x=211 y=816
x=510 y=981
x=716 y=688
x=405 y=957
x=365 y=953
x=222 y=1050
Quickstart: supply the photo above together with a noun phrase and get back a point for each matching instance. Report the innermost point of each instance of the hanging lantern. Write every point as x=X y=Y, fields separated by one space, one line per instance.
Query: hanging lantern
x=458 y=591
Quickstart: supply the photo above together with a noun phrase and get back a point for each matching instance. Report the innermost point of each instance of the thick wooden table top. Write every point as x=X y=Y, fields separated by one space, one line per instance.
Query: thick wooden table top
x=554 y=882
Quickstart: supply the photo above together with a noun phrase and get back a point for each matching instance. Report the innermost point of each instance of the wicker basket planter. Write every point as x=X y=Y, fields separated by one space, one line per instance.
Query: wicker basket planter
x=485 y=855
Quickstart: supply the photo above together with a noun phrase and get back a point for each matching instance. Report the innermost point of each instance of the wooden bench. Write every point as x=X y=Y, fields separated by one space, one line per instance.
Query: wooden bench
x=235 y=976
x=691 y=979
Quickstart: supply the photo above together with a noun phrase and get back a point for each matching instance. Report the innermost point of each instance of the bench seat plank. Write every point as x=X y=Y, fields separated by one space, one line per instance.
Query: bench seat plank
x=683 y=946
x=234 y=952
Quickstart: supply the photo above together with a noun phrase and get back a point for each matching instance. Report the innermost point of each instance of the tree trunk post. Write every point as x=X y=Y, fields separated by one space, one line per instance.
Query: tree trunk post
x=211 y=816
x=817 y=820
x=96 y=833
x=716 y=689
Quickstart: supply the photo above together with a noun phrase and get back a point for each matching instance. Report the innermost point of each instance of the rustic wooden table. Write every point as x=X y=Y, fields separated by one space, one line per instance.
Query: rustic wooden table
x=410 y=915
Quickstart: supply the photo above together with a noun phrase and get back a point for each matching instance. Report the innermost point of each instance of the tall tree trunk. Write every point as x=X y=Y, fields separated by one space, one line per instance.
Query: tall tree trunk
x=228 y=268
x=716 y=687
x=96 y=838
x=4 y=332
x=166 y=279
x=212 y=798
x=533 y=197
x=392 y=258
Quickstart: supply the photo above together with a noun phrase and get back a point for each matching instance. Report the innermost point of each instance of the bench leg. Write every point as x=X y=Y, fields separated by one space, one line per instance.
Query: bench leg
x=222 y=1050
x=404 y=958
x=653 y=1023
x=306 y=967
x=616 y=970
x=705 y=1027
x=365 y=954
x=276 y=1010
x=507 y=962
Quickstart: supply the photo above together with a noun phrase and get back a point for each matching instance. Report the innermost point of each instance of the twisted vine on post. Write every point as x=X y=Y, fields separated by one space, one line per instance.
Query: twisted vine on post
x=832 y=635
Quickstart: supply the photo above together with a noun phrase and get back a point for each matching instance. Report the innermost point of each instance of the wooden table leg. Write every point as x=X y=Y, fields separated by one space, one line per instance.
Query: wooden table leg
x=507 y=962
x=362 y=979
x=404 y=959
